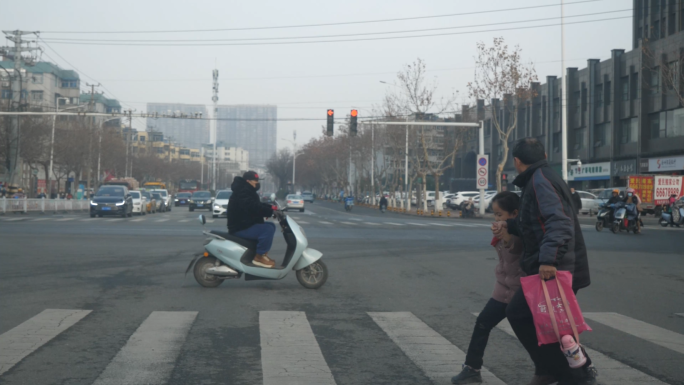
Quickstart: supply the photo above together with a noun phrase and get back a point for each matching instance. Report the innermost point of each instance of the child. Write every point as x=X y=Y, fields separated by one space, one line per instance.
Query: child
x=505 y=206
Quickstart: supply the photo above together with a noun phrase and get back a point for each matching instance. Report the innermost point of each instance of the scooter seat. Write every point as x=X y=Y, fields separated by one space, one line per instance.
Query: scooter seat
x=248 y=243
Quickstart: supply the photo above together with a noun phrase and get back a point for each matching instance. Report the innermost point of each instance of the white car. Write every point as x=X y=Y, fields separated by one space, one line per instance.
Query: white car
x=294 y=202
x=489 y=195
x=221 y=203
x=139 y=203
x=590 y=202
x=462 y=196
x=168 y=200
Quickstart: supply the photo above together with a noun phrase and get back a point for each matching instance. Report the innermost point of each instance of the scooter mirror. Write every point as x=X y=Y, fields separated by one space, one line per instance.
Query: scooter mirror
x=273 y=197
x=202 y=219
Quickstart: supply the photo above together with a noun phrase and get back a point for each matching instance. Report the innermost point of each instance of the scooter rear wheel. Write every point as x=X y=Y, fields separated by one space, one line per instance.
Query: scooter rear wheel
x=615 y=228
x=313 y=276
x=599 y=226
x=200 y=272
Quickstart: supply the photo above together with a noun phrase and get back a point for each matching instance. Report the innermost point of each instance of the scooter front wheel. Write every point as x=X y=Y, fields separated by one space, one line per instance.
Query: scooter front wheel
x=313 y=276
x=615 y=228
x=200 y=272
x=599 y=225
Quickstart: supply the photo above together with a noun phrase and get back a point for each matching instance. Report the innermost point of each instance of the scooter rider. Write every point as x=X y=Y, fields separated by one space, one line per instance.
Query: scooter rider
x=615 y=198
x=631 y=198
x=246 y=216
x=383 y=202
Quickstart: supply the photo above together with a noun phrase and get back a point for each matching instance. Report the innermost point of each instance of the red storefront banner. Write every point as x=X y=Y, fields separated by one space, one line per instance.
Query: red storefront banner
x=643 y=186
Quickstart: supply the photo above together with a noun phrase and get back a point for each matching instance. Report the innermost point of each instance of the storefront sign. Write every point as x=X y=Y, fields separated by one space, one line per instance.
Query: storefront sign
x=591 y=171
x=666 y=186
x=643 y=166
x=624 y=167
x=673 y=163
x=643 y=186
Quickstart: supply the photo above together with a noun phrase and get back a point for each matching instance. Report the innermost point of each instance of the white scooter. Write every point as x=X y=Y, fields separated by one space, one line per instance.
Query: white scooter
x=229 y=257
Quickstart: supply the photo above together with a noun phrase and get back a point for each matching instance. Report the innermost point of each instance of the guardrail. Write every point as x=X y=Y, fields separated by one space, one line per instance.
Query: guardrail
x=24 y=205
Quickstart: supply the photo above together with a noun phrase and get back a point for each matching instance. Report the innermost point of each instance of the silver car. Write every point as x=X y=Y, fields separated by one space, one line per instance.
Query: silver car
x=294 y=202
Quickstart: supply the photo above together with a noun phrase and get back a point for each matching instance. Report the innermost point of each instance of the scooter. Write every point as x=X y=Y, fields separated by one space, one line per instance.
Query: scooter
x=604 y=218
x=383 y=208
x=675 y=217
x=226 y=256
x=626 y=218
x=348 y=203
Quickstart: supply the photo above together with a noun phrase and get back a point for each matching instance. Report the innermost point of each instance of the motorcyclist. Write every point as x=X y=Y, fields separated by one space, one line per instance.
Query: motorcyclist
x=632 y=198
x=246 y=216
x=615 y=198
x=383 y=202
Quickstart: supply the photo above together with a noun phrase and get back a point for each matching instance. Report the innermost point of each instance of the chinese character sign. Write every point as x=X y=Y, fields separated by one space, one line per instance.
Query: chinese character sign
x=666 y=186
x=643 y=186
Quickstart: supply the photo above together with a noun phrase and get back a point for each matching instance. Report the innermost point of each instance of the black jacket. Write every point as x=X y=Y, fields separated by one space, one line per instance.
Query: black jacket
x=383 y=201
x=577 y=201
x=548 y=225
x=244 y=207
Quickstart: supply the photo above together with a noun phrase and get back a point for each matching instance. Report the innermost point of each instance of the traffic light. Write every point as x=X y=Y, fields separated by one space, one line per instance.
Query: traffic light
x=331 y=122
x=352 y=122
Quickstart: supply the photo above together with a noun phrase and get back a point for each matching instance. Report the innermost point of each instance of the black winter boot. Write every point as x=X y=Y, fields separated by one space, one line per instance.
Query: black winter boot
x=467 y=376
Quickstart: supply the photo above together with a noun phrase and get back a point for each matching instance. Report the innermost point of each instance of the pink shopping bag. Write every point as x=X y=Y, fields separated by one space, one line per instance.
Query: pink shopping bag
x=554 y=307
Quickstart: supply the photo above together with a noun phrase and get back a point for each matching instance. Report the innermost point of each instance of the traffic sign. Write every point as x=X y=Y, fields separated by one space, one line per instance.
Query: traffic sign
x=482 y=171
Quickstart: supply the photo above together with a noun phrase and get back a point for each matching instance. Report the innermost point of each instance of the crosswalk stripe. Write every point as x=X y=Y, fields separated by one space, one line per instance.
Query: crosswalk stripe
x=440 y=224
x=14 y=219
x=434 y=354
x=416 y=224
x=304 y=223
x=463 y=225
x=88 y=219
x=611 y=372
x=371 y=223
x=40 y=219
x=349 y=223
x=657 y=335
x=185 y=220
x=151 y=352
x=24 y=339
x=137 y=220
x=115 y=220
x=355 y=219
x=64 y=219
x=325 y=223
x=393 y=224
x=481 y=225
x=166 y=219
x=289 y=351
x=679 y=314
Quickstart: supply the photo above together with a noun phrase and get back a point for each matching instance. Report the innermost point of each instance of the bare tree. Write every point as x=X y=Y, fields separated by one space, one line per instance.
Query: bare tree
x=668 y=68
x=501 y=74
x=280 y=167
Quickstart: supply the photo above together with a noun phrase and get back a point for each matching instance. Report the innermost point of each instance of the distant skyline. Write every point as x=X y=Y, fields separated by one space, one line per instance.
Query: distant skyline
x=303 y=80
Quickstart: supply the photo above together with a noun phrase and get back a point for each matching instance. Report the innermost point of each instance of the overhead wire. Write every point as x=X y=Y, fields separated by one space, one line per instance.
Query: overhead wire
x=332 y=41
x=330 y=36
x=326 y=24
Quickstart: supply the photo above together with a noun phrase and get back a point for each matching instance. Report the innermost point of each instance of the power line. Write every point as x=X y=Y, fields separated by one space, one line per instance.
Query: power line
x=62 y=40
x=337 y=40
x=325 y=24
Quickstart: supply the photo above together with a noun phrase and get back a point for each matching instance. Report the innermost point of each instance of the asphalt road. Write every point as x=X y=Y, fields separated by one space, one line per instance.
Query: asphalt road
x=397 y=309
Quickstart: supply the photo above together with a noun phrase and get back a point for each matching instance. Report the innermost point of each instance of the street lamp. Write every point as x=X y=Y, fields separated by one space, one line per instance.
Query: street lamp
x=99 y=147
x=294 y=157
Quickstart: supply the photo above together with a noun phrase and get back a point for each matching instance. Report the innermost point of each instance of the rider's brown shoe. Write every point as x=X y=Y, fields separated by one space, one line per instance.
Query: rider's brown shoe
x=261 y=261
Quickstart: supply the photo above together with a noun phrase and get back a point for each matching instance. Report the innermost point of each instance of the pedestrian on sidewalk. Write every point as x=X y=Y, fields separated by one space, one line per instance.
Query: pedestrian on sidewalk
x=552 y=241
x=576 y=200
x=509 y=249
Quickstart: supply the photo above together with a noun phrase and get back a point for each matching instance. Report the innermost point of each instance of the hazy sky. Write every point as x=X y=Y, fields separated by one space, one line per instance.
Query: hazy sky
x=303 y=80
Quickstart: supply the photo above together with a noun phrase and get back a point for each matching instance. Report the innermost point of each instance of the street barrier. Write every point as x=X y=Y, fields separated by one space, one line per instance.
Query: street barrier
x=24 y=205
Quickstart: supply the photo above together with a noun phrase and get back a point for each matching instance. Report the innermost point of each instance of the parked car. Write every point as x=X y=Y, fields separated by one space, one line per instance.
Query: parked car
x=159 y=201
x=166 y=196
x=489 y=196
x=294 y=202
x=447 y=201
x=139 y=203
x=200 y=200
x=221 y=203
x=460 y=197
x=308 y=196
x=590 y=202
x=182 y=199
x=151 y=205
x=112 y=200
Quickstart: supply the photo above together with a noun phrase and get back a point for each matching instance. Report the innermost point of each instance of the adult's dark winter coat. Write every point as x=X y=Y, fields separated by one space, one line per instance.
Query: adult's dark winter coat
x=548 y=225
x=244 y=207
x=577 y=201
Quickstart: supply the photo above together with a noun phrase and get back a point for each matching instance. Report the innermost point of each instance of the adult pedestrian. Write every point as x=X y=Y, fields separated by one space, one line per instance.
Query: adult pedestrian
x=576 y=200
x=552 y=241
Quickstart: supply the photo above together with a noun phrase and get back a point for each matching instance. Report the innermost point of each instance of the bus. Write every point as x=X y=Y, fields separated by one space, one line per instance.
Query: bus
x=189 y=185
x=154 y=185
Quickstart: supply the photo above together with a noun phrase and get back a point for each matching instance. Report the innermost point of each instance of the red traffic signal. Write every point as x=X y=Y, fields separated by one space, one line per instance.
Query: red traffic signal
x=331 y=112
x=354 y=113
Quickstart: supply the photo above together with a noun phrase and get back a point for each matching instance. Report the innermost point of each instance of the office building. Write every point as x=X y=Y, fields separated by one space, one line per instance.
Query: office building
x=188 y=132
x=251 y=127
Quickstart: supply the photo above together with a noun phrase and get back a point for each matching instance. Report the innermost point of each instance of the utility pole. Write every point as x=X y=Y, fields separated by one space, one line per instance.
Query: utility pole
x=294 y=159
x=564 y=101
x=126 y=138
x=214 y=99
x=18 y=49
x=91 y=108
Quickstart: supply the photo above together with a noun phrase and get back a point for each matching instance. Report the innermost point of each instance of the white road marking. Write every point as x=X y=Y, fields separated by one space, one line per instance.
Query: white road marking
x=40 y=219
x=289 y=351
x=137 y=220
x=24 y=339
x=416 y=224
x=166 y=219
x=655 y=334
x=304 y=223
x=463 y=225
x=435 y=355
x=679 y=314
x=440 y=224
x=115 y=220
x=208 y=221
x=611 y=372
x=393 y=224
x=371 y=223
x=355 y=219
x=481 y=225
x=185 y=220
x=14 y=219
x=325 y=223
x=349 y=223
x=88 y=219
x=151 y=352
x=64 y=219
